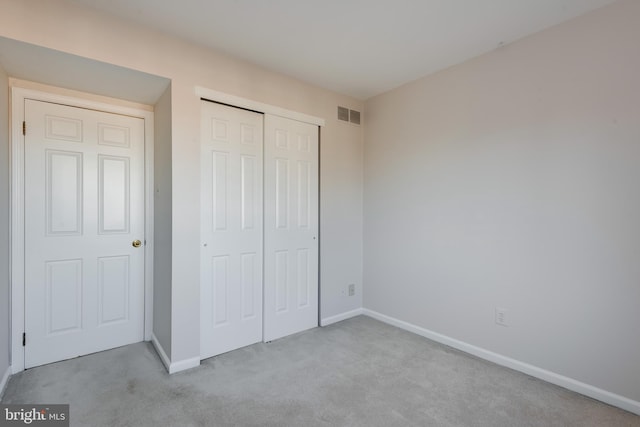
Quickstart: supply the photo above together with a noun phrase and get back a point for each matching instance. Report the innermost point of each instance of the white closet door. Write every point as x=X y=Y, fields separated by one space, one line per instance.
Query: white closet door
x=291 y=227
x=84 y=207
x=231 y=229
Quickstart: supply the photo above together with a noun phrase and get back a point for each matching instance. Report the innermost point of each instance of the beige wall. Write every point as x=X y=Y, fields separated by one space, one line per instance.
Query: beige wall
x=67 y=27
x=512 y=181
x=4 y=223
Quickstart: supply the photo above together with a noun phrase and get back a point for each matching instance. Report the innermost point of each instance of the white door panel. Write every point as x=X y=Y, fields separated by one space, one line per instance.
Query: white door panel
x=84 y=204
x=231 y=229
x=291 y=227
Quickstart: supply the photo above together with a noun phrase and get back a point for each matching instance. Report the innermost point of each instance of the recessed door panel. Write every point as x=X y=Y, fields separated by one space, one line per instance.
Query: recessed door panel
x=250 y=191
x=84 y=205
x=117 y=136
x=219 y=174
x=304 y=281
x=63 y=296
x=251 y=284
x=219 y=130
x=304 y=193
x=282 y=281
x=220 y=285
x=248 y=134
x=63 y=192
x=281 y=139
x=63 y=128
x=113 y=187
x=282 y=193
x=304 y=143
x=113 y=291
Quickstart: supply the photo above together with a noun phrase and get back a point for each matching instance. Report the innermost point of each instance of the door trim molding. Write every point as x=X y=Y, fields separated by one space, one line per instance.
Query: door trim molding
x=17 y=255
x=237 y=101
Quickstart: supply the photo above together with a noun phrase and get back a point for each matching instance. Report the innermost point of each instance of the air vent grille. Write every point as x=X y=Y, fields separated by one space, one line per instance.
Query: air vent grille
x=343 y=114
x=347 y=115
x=354 y=117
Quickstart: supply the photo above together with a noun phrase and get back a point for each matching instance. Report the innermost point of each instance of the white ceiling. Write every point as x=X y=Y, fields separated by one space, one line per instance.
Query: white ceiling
x=356 y=47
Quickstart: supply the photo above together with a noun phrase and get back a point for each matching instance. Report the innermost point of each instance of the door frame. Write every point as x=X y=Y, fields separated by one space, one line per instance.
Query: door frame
x=17 y=236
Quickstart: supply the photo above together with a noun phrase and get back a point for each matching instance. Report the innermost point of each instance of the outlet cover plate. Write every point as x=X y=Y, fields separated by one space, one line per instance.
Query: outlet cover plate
x=501 y=317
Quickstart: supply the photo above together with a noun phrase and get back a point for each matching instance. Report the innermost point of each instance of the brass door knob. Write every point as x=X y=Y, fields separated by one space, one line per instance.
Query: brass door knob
x=136 y=243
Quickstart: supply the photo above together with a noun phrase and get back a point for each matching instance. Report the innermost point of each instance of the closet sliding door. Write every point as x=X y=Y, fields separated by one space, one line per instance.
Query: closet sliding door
x=231 y=229
x=259 y=228
x=290 y=227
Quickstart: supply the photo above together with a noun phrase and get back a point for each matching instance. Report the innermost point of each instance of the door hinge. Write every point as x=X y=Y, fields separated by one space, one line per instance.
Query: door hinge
x=24 y=128
x=24 y=339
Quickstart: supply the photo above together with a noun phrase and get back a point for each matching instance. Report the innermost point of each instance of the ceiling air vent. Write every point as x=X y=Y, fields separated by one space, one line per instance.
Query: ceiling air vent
x=354 y=117
x=343 y=114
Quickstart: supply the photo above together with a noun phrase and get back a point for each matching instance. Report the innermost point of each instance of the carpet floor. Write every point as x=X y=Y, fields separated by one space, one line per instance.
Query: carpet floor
x=359 y=372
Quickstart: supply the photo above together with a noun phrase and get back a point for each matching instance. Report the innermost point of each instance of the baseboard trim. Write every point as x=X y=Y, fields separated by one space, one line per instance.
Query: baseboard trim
x=163 y=356
x=339 y=317
x=173 y=367
x=183 y=365
x=4 y=381
x=551 y=377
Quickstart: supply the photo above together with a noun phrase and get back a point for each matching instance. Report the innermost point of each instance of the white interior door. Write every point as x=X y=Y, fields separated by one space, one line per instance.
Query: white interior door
x=84 y=206
x=231 y=229
x=291 y=227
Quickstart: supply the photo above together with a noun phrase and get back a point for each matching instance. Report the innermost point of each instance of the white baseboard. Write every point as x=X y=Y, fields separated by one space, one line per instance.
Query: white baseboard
x=173 y=367
x=183 y=365
x=4 y=381
x=551 y=377
x=339 y=317
x=163 y=356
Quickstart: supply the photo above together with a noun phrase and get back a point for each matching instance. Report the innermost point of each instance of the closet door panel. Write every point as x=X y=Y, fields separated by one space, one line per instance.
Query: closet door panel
x=290 y=227
x=231 y=228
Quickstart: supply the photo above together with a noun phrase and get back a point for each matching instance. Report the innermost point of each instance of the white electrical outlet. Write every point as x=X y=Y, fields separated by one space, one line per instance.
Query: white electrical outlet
x=501 y=317
x=352 y=289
